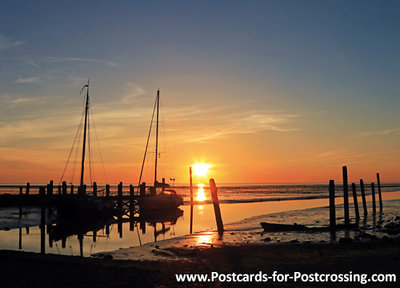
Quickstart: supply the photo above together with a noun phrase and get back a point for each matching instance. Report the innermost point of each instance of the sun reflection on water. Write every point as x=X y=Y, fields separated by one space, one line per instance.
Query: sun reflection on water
x=200 y=193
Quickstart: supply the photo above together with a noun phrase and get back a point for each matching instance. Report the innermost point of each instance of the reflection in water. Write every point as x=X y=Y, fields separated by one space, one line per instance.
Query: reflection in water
x=206 y=239
x=200 y=193
x=83 y=235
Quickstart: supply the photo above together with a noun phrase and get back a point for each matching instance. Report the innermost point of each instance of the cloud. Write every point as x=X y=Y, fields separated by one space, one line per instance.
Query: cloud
x=22 y=100
x=134 y=91
x=6 y=43
x=75 y=59
x=231 y=123
x=27 y=80
x=378 y=132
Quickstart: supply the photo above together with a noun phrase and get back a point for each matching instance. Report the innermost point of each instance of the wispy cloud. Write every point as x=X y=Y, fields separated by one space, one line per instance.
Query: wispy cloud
x=134 y=91
x=378 y=132
x=25 y=80
x=22 y=100
x=75 y=59
x=6 y=43
x=234 y=123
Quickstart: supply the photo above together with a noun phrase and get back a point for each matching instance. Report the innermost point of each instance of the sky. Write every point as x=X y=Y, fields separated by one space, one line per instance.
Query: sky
x=263 y=91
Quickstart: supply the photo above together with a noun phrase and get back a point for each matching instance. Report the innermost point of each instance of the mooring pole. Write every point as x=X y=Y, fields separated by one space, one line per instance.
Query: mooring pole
x=355 y=202
x=191 y=200
x=217 y=211
x=380 y=192
x=373 y=198
x=42 y=220
x=28 y=186
x=363 y=197
x=345 y=196
x=332 y=210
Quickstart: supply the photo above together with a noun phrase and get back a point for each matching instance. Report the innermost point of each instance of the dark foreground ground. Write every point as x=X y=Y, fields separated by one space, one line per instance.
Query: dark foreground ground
x=21 y=269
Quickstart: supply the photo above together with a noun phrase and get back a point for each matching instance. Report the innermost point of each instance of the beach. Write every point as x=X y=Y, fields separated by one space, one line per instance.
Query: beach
x=244 y=248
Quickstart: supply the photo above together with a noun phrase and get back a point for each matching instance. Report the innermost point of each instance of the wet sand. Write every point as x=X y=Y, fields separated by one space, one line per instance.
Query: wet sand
x=22 y=269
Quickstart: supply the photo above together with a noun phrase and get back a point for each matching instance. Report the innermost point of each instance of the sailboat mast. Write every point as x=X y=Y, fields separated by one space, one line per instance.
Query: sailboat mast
x=84 y=132
x=158 y=112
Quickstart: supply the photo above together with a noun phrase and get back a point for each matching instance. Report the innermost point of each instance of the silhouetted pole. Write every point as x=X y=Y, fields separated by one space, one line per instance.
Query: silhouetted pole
x=20 y=238
x=364 y=201
x=218 y=218
x=107 y=191
x=72 y=189
x=42 y=192
x=373 y=198
x=380 y=192
x=84 y=132
x=131 y=207
x=143 y=189
x=346 y=197
x=332 y=211
x=119 y=200
x=28 y=186
x=355 y=202
x=94 y=189
x=64 y=188
x=191 y=200
x=20 y=202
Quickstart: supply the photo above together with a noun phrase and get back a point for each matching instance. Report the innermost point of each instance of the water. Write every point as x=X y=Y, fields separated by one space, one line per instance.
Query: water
x=237 y=203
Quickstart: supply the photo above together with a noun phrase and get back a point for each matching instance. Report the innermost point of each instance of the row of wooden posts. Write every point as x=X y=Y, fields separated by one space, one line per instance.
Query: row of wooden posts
x=82 y=190
x=332 y=208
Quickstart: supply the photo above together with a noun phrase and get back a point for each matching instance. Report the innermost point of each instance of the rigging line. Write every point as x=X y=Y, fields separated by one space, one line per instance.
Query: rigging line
x=147 y=143
x=98 y=147
x=90 y=153
x=76 y=157
x=72 y=148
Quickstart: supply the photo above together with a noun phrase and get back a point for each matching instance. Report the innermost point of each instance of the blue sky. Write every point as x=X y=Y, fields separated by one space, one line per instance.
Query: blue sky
x=306 y=77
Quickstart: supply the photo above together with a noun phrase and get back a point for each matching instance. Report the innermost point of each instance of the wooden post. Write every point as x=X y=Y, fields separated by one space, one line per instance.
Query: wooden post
x=363 y=197
x=119 y=201
x=131 y=207
x=217 y=211
x=64 y=188
x=191 y=200
x=143 y=189
x=28 y=186
x=94 y=189
x=59 y=189
x=355 y=202
x=42 y=221
x=84 y=191
x=107 y=191
x=163 y=186
x=345 y=196
x=20 y=201
x=332 y=208
x=72 y=189
x=51 y=187
x=373 y=198
x=380 y=192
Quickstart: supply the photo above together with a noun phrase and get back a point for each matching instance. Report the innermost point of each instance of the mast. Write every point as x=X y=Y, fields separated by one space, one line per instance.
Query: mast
x=84 y=131
x=158 y=112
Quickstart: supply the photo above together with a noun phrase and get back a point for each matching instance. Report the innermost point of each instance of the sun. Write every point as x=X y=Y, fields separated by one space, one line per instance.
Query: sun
x=201 y=169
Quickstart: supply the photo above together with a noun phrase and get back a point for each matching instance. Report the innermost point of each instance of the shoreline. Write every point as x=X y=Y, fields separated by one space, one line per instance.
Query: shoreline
x=380 y=256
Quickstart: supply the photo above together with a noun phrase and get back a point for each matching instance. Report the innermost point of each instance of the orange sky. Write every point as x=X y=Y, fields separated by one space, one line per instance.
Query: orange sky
x=265 y=91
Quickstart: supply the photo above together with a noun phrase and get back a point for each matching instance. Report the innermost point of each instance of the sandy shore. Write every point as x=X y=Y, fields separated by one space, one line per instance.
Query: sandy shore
x=245 y=248
x=21 y=269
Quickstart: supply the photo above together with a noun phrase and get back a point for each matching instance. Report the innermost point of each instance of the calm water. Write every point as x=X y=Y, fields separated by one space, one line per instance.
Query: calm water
x=238 y=202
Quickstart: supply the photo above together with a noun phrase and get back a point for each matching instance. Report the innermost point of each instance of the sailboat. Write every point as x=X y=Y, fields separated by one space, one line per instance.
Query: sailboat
x=92 y=208
x=167 y=198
